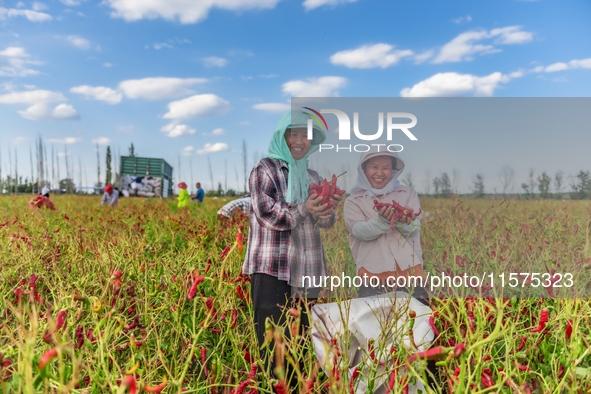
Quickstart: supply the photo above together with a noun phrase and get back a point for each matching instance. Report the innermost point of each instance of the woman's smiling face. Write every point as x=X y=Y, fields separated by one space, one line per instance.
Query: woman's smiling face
x=379 y=171
x=297 y=141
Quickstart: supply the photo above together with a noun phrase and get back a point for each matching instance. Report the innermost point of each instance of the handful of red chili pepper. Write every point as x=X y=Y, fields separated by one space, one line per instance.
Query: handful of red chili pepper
x=327 y=189
x=400 y=212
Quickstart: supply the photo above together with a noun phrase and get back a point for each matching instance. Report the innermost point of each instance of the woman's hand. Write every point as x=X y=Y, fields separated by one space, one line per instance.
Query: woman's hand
x=313 y=207
x=387 y=213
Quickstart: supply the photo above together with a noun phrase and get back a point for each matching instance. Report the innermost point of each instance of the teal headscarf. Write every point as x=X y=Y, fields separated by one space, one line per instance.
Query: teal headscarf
x=297 y=181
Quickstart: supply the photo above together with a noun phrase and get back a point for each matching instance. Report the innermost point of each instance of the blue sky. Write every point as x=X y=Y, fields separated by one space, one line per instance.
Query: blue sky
x=189 y=81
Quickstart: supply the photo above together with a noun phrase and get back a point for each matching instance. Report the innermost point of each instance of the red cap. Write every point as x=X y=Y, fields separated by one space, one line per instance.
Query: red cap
x=182 y=185
x=108 y=189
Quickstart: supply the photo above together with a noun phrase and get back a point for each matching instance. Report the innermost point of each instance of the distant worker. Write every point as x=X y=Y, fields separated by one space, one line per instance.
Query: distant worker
x=45 y=192
x=240 y=205
x=198 y=196
x=183 y=198
x=111 y=196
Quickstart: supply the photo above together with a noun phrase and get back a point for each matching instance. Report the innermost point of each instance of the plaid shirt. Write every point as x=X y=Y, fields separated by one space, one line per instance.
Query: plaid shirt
x=241 y=203
x=284 y=239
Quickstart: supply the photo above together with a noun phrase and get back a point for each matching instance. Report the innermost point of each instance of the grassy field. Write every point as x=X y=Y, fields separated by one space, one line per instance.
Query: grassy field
x=99 y=300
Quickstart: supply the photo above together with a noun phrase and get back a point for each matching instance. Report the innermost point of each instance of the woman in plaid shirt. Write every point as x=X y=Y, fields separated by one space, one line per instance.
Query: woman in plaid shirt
x=284 y=239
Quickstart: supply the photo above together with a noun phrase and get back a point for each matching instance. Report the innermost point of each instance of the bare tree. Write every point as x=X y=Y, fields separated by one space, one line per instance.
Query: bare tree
x=80 y=170
x=558 y=182
x=428 y=182
x=225 y=175
x=32 y=171
x=455 y=180
x=478 y=188
x=57 y=163
x=506 y=175
x=53 y=168
x=408 y=179
x=9 y=170
x=210 y=172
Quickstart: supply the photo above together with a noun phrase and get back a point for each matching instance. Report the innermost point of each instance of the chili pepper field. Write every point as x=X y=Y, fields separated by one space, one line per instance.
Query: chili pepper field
x=146 y=297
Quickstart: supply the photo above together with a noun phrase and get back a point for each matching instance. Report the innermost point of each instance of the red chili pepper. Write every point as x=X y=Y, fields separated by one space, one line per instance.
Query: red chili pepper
x=280 y=387
x=392 y=381
x=234 y=318
x=486 y=378
x=239 y=242
x=253 y=371
x=225 y=252
x=569 y=328
x=79 y=337
x=239 y=292
x=130 y=383
x=61 y=319
x=156 y=389
x=208 y=267
x=193 y=289
x=459 y=349
x=203 y=360
x=522 y=367
x=560 y=371
x=521 y=344
x=430 y=354
x=433 y=327
x=47 y=357
x=543 y=320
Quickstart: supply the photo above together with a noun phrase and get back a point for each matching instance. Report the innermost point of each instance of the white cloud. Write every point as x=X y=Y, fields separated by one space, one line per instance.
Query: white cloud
x=160 y=45
x=33 y=16
x=185 y=11
x=158 y=88
x=466 y=44
x=370 y=56
x=454 y=84
x=315 y=87
x=462 y=19
x=78 y=42
x=218 y=131
x=100 y=93
x=511 y=35
x=174 y=129
x=244 y=123
x=70 y=3
x=187 y=151
x=14 y=63
x=107 y=65
x=40 y=108
x=18 y=140
x=214 y=61
x=37 y=6
x=42 y=111
x=101 y=141
x=67 y=140
x=421 y=57
x=272 y=107
x=311 y=4
x=198 y=106
x=31 y=97
x=582 y=63
x=62 y=154
x=213 y=148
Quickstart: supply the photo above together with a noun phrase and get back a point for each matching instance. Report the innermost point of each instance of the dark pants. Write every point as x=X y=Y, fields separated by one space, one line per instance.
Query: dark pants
x=269 y=298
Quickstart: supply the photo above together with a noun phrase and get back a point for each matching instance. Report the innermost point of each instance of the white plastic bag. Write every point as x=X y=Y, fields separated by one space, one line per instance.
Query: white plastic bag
x=383 y=319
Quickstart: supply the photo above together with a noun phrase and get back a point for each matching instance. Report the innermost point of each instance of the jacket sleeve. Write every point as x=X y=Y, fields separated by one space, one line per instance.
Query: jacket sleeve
x=362 y=228
x=271 y=213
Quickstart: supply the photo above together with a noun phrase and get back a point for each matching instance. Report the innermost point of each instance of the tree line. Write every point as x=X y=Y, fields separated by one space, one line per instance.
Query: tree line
x=544 y=186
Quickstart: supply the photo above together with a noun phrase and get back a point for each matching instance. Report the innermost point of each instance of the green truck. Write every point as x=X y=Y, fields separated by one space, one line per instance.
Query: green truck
x=145 y=177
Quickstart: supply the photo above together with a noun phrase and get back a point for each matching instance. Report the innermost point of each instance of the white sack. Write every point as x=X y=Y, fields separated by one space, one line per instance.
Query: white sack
x=370 y=318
